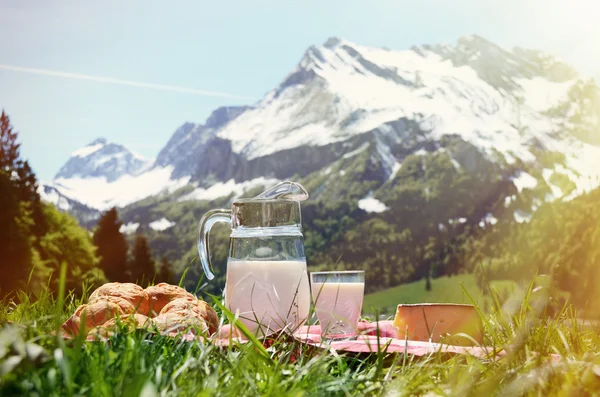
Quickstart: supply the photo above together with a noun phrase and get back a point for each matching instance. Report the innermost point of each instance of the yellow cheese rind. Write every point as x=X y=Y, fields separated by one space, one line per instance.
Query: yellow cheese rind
x=438 y=323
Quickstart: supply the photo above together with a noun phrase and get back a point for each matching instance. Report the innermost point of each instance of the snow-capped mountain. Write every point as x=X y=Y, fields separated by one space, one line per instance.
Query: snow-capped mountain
x=102 y=159
x=105 y=174
x=341 y=90
x=343 y=99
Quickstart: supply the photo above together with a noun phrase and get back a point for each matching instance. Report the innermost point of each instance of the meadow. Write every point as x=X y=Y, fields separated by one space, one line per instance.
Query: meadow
x=545 y=356
x=455 y=289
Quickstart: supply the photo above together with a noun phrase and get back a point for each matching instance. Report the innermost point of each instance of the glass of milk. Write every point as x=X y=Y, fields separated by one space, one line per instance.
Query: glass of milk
x=338 y=297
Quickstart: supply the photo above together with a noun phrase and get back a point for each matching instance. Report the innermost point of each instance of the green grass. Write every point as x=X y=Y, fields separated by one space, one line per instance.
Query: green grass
x=35 y=363
x=443 y=290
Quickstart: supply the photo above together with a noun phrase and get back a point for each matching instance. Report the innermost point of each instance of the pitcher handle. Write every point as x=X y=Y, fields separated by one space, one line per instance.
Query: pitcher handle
x=206 y=223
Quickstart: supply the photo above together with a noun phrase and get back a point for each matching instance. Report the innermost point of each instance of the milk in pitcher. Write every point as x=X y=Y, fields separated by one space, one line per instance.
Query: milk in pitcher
x=268 y=295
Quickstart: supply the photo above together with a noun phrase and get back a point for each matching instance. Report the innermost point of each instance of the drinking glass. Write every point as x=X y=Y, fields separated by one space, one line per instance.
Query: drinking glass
x=338 y=297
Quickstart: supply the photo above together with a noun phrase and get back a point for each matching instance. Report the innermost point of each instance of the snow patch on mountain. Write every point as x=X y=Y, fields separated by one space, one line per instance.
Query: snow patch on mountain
x=455 y=163
x=522 y=216
x=540 y=94
x=583 y=160
x=161 y=224
x=508 y=200
x=129 y=228
x=523 y=180
x=491 y=219
x=99 y=193
x=371 y=204
x=52 y=196
x=389 y=162
x=353 y=153
x=488 y=219
x=556 y=190
x=225 y=189
x=87 y=150
x=395 y=168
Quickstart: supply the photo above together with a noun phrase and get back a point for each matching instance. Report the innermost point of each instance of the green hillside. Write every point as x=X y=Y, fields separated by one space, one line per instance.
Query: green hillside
x=443 y=290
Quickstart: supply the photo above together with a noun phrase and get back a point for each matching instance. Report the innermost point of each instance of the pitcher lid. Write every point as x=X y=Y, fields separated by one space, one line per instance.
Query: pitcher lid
x=278 y=206
x=286 y=190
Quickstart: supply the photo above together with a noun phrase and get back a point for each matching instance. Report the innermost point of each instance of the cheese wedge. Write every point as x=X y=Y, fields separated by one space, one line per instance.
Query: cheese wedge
x=438 y=322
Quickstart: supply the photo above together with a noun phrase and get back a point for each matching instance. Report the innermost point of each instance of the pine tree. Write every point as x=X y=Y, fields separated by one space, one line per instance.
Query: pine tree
x=22 y=221
x=165 y=272
x=142 y=267
x=15 y=241
x=9 y=148
x=21 y=175
x=112 y=247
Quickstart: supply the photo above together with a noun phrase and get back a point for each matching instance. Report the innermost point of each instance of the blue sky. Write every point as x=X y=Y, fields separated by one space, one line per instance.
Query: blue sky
x=236 y=50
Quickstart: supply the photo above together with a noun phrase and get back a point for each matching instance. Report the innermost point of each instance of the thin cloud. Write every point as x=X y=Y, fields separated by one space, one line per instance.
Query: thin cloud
x=110 y=80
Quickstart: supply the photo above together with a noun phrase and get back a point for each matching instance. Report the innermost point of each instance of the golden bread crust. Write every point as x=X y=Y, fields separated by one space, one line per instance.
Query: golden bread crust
x=132 y=293
x=161 y=294
x=210 y=316
x=125 y=306
x=198 y=308
x=94 y=314
x=178 y=323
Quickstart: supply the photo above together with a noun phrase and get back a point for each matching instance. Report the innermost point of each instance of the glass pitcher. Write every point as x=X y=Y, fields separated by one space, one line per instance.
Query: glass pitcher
x=267 y=281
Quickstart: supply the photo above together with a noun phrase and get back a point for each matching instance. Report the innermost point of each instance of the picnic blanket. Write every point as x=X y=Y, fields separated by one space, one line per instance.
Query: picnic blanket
x=373 y=337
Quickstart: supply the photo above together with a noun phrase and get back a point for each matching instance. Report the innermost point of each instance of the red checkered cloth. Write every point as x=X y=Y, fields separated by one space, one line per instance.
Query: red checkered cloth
x=373 y=337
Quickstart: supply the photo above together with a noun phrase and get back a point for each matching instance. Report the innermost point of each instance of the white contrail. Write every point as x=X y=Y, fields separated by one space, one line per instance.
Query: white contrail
x=110 y=80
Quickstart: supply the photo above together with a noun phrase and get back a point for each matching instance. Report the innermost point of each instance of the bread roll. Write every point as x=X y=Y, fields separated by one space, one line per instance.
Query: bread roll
x=176 y=323
x=66 y=332
x=71 y=326
x=94 y=314
x=161 y=294
x=209 y=315
x=125 y=306
x=132 y=293
x=181 y=305
x=196 y=308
